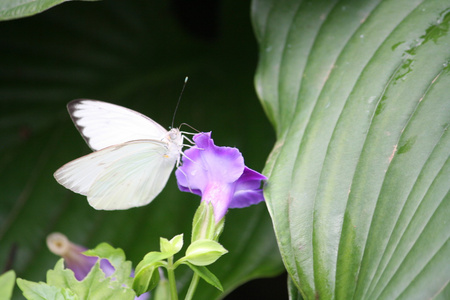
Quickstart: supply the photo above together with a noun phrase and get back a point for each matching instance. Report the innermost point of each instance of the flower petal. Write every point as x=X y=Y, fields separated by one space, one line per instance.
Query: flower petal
x=220 y=196
x=74 y=258
x=207 y=162
x=248 y=189
x=219 y=175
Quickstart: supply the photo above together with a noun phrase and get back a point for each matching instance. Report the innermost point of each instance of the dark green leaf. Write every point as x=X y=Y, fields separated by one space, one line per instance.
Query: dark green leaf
x=206 y=275
x=358 y=92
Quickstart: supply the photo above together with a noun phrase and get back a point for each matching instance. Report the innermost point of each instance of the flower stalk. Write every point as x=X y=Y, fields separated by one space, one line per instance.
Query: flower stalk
x=172 y=281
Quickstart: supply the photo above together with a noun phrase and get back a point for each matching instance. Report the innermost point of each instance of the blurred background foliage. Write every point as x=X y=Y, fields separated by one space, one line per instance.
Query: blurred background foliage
x=135 y=54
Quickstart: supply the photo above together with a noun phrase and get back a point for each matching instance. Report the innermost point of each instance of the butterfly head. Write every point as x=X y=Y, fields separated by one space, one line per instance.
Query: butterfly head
x=174 y=136
x=174 y=139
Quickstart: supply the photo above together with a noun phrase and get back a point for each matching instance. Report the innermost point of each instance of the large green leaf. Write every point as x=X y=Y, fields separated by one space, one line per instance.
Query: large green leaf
x=13 y=9
x=136 y=54
x=359 y=178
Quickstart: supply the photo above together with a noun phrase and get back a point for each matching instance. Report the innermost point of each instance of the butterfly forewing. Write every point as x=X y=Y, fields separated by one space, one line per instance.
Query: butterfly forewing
x=104 y=124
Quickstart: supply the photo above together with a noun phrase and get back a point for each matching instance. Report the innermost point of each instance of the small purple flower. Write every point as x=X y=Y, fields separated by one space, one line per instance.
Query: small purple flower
x=219 y=175
x=75 y=260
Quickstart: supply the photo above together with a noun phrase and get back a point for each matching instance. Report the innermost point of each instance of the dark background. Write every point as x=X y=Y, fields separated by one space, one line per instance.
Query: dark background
x=135 y=54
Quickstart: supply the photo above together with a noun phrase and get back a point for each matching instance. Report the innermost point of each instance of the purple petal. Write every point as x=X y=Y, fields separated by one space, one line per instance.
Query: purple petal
x=106 y=267
x=248 y=189
x=80 y=264
x=219 y=175
x=222 y=164
x=191 y=177
x=243 y=199
x=220 y=195
x=207 y=162
x=143 y=296
x=74 y=258
x=250 y=179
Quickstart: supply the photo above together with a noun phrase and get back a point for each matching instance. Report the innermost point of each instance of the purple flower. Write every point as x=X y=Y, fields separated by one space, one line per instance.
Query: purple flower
x=219 y=175
x=75 y=260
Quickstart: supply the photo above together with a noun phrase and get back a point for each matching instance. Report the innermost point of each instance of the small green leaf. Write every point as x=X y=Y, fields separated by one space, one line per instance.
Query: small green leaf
x=165 y=246
x=206 y=275
x=13 y=9
x=7 y=284
x=42 y=291
x=204 y=252
x=150 y=259
x=94 y=286
x=173 y=246
x=219 y=229
x=147 y=278
x=204 y=224
x=116 y=257
x=60 y=276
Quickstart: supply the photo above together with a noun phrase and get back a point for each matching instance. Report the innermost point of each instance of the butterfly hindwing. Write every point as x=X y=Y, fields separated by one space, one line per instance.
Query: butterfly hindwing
x=122 y=176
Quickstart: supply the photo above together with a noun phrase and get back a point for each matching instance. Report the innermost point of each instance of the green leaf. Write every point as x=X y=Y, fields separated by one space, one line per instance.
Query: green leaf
x=94 y=286
x=116 y=257
x=13 y=9
x=203 y=224
x=147 y=278
x=358 y=93
x=151 y=258
x=294 y=293
x=206 y=275
x=42 y=291
x=135 y=54
x=7 y=281
x=173 y=246
x=204 y=252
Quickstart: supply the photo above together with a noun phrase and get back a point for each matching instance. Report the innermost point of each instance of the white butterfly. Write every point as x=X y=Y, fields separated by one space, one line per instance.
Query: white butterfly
x=132 y=159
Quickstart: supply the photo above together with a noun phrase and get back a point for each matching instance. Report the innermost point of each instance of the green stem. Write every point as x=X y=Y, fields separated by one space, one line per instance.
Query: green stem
x=192 y=287
x=171 y=277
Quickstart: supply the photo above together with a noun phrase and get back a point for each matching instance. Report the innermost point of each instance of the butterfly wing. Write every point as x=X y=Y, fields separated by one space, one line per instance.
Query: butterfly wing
x=104 y=124
x=121 y=176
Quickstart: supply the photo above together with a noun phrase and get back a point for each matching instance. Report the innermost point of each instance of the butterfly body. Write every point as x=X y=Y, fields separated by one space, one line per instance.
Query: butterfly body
x=132 y=159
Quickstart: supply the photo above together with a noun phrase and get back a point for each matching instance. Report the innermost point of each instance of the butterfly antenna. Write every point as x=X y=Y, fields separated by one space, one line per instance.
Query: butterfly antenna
x=179 y=99
x=186 y=124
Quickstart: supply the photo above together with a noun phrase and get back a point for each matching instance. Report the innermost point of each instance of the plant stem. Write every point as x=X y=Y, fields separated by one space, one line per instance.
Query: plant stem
x=171 y=277
x=192 y=287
